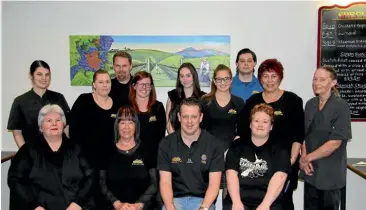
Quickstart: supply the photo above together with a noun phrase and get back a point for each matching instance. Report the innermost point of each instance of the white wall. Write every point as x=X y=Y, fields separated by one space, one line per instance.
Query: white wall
x=40 y=30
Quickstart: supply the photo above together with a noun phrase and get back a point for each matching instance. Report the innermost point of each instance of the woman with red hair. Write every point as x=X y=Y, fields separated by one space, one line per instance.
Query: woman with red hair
x=151 y=112
x=288 y=126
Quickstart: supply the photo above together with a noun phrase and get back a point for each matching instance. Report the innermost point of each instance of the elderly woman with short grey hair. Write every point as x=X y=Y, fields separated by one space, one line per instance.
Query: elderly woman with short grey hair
x=128 y=179
x=50 y=171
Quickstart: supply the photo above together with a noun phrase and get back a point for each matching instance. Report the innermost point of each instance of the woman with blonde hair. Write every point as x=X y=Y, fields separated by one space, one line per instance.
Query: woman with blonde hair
x=324 y=151
x=257 y=167
x=221 y=109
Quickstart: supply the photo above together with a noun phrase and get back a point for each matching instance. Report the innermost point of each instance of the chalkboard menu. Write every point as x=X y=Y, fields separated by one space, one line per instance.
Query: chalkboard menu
x=342 y=44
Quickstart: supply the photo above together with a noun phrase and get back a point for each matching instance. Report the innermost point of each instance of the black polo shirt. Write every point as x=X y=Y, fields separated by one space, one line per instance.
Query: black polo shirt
x=119 y=92
x=190 y=167
x=333 y=122
x=25 y=110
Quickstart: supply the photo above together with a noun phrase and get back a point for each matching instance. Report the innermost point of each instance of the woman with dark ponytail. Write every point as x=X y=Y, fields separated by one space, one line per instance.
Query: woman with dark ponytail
x=324 y=152
x=24 y=111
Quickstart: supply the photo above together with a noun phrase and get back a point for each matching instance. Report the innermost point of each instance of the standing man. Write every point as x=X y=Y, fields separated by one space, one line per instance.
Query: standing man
x=122 y=66
x=245 y=83
x=190 y=163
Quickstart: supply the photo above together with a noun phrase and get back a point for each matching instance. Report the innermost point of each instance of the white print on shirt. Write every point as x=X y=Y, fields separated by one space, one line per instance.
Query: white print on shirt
x=253 y=170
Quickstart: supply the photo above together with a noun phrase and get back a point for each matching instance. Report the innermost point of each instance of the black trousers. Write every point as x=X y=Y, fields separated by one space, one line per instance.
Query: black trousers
x=315 y=199
x=287 y=200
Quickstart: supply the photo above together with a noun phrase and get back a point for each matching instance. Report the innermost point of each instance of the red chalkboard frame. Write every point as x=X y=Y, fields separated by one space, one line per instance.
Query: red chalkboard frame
x=320 y=10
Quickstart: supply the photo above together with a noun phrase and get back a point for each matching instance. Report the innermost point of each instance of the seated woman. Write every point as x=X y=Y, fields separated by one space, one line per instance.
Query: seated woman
x=256 y=169
x=50 y=172
x=129 y=179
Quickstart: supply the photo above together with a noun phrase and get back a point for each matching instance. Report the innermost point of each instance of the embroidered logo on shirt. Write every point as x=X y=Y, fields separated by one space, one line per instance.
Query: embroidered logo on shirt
x=113 y=115
x=254 y=92
x=189 y=160
x=176 y=160
x=204 y=159
x=152 y=119
x=138 y=162
x=232 y=111
x=253 y=170
x=279 y=112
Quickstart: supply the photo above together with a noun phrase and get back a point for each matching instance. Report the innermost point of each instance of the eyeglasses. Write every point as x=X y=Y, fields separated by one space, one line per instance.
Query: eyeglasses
x=144 y=85
x=220 y=80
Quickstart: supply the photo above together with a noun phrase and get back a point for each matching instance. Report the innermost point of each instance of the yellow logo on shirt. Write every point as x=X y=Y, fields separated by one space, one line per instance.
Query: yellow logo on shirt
x=203 y=159
x=276 y=113
x=113 y=115
x=152 y=119
x=176 y=160
x=232 y=111
x=138 y=162
x=254 y=92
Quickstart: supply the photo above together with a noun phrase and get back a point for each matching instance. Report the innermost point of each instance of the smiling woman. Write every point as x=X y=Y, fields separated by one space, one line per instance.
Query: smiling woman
x=50 y=172
x=151 y=112
x=24 y=111
x=257 y=166
x=288 y=126
x=187 y=85
x=92 y=118
x=128 y=179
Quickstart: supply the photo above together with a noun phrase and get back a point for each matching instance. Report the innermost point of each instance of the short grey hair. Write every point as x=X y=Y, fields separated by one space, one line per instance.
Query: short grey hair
x=50 y=108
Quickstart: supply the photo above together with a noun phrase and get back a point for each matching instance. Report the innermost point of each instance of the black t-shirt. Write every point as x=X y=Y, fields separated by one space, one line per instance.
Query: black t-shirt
x=176 y=99
x=288 y=126
x=221 y=122
x=92 y=127
x=119 y=92
x=25 y=110
x=153 y=126
x=256 y=166
x=190 y=167
x=128 y=176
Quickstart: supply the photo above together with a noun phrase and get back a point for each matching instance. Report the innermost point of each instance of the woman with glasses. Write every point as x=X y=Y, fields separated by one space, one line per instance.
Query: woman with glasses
x=288 y=126
x=151 y=112
x=221 y=109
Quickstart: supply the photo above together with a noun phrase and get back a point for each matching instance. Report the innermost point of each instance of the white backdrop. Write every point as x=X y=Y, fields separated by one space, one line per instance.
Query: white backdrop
x=40 y=30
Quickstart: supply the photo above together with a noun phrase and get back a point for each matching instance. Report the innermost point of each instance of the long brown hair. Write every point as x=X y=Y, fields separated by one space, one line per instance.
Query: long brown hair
x=132 y=92
x=333 y=75
x=196 y=83
x=220 y=67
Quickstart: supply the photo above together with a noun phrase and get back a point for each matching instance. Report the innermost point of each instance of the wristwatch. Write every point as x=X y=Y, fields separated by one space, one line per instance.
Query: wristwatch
x=203 y=208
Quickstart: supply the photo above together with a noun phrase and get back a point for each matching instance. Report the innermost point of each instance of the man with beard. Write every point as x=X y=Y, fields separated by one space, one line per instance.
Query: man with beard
x=190 y=163
x=122 y=66
x=245 y=83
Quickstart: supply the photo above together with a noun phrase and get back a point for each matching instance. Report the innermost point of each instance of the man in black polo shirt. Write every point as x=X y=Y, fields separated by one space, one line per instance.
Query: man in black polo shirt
x=190 y=162
x=122 y=66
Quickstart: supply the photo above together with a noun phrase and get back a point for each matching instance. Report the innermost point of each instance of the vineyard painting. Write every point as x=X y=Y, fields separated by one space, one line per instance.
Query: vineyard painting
x=159 y=55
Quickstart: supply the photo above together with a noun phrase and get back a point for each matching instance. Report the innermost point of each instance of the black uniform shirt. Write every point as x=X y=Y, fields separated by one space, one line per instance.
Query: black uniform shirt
x=190 y=167
x=25 y=110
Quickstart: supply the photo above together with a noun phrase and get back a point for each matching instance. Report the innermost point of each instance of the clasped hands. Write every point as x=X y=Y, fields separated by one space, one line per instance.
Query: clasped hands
x=118 y=205
x=306 y=165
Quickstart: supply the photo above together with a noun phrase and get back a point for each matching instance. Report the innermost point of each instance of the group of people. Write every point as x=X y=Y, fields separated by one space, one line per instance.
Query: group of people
x=247 y=137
